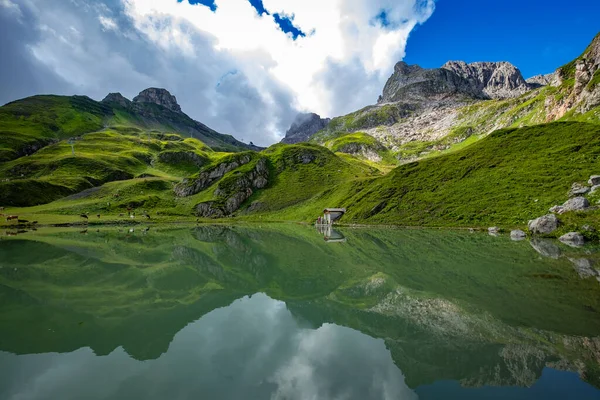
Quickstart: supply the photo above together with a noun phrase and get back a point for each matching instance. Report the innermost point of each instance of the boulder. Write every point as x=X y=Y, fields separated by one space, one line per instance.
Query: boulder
x=575 y=204
x=545 y=247
x=517 y=234
x=578 y=189
x=594 y=180
x=494 y=231
x=544 y=224
x=574 y=239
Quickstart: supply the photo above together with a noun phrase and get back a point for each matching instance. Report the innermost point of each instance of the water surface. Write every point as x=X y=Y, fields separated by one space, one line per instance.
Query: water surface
x=289 y=312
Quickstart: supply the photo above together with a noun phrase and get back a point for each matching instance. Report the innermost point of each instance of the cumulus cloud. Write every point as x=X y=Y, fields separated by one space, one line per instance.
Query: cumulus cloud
x=191 y=49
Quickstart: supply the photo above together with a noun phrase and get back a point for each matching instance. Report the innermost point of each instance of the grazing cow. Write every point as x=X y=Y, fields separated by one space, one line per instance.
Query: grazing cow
x=11 y=217
x=98 y=215
x=1 y=208
x=147 y=216
x=121 y=215
x=22 y=221
x=84 y=232
x=84 y=216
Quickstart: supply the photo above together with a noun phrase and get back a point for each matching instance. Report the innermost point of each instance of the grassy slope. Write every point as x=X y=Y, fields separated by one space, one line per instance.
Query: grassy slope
x=507 y=178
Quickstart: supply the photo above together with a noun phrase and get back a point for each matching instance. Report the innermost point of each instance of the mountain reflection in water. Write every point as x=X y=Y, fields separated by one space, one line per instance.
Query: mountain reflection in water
x=277 y=312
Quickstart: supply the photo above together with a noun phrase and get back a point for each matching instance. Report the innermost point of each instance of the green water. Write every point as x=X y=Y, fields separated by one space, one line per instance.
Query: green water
x=291 y=312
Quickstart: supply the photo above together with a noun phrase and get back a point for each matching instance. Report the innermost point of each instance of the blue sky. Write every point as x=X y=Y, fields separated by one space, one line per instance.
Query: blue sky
x=537 y=36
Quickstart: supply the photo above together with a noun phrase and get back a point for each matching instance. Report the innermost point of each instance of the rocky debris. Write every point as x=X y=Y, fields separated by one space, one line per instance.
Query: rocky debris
x=594 y=180
x=191 y=186
x=517 y=234
x=544 y=224
x=588 y=228
x=411 y=83
x=545 y=247
x=256 y=206
x=575 y=239
x=177 y=157
x=541 y=80
x=235 y=191
x=498 y=80
x=578 y=189
x=117 y=98
x=493 y=231
x=162 y=97
x=594 y=188
x=304 y=126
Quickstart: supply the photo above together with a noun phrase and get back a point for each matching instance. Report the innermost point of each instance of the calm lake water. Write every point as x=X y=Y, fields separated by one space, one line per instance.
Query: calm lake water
x=291 y=312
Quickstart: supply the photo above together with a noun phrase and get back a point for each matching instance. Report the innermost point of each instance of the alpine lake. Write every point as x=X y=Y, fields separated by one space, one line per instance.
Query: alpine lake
x=286 y=311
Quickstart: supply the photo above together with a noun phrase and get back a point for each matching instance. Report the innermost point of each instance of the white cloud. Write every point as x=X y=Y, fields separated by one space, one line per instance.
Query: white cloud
x=339 y=66
x=108 y=23
x=342 y=32
x=11 y=7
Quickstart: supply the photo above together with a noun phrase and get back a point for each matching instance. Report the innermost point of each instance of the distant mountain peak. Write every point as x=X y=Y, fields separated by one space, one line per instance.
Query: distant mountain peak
x=304 y=126
x=497 y=80
x=159 y=96
x=117 y=98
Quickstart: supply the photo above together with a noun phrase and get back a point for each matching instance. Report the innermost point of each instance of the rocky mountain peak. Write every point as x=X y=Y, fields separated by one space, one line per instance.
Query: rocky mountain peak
x=304 y=126
x=117 y=98
x=158 y=96
x=413 y=84
x=497 y=80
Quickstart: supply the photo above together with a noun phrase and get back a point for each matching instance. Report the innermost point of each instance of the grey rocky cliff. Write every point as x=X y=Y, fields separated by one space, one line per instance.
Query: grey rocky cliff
x=304 y=126
x=411 y=83
x=162 y=97
x=498 y=80
x=231 y=194
x=191 y=186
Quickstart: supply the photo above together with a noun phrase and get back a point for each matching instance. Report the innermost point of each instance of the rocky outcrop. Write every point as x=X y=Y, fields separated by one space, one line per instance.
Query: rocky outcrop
x=178 y=157
x=541 y=80
x=304 y=126
x=411 y=83
x=498 y=80
x=191 y=186
x=162 y=97
x=231 y=194
x=544 y=225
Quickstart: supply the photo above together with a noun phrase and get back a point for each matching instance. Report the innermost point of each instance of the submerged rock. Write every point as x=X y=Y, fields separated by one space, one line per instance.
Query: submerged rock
x=544 y=224
x=545 y=247
x=574 y=239
x=584 y=267
x=517 y=234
